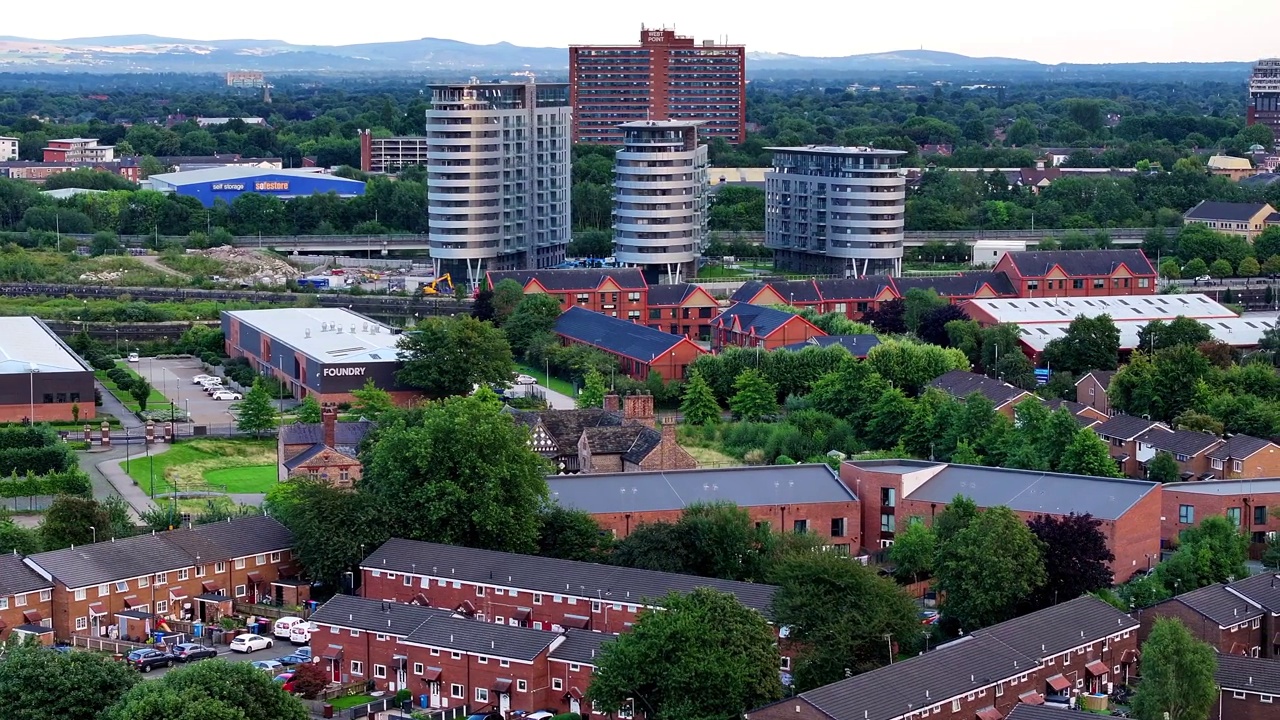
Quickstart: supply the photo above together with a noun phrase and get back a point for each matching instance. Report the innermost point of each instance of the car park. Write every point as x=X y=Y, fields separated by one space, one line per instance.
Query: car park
x=227 y=395
x=145 y=660
x=201 y=379
x=300 y=634
x=301 y=656
x=270 y=667
x=190 y=652
x=133 y=357
x=248 y=642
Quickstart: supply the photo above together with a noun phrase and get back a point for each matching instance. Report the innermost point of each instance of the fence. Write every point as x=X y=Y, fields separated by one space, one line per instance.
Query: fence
x=119 y=647
x=342 y=690
x=275 y=612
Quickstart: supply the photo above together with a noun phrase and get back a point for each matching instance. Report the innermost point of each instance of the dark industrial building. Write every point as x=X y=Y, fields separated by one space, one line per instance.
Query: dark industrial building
x=41 y=379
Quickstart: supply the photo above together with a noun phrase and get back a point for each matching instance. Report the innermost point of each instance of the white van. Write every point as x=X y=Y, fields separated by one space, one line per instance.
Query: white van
x=284 y=625
x=300 y=634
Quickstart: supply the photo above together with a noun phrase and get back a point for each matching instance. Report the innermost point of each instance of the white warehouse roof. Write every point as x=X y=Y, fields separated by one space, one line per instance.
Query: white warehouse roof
x=329 y=335
x=1234 y=331
x=1022 y=311
x=27 y=343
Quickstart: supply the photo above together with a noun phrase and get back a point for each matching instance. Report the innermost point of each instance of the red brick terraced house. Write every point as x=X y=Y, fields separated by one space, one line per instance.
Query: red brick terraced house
x=1249 y=503
x=1190 y=448
x=1078 y=273
x=616 y=292
x=746 y=325
x=1091 y=390
x=1241 y=618
x=959 y=288
x=682 y=309
x=1079 y=646
x=1121 y=433
x=328 y=449
x=1084 y=414
x=640 y=350
x=1249 y=688
x=894 y=491
x=802 y=294
x=122 y=586
x=960 y=384
x=26 y=601
x=859 y=346
x=530 y=591
x=799 y=498
x=850 y=296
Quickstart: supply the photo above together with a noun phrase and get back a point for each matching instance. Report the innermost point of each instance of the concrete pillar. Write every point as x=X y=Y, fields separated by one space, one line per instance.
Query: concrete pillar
x=168 y=432
x=150 y=432
x=106 y=435
x=88 y=433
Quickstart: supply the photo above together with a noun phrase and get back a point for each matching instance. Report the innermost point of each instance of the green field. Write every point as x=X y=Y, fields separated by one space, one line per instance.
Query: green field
x=350 y=701
x=242 y=466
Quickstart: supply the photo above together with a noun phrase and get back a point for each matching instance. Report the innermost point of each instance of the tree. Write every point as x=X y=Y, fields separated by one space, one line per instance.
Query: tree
x=987 y=569
x=709 y=540
x=593 y=390
x=1177 y=675
x=209 y=691
x=839 y=612
x=37 y=684
x=1267 y=243
x=958 y=515
x=1169 y=269
x=1021 y=132
x=1196 y=268
x=1220 y=268
x=309 y=679
x=507 y=294
x=140 y=391
x=460 y=472
x=1270 y=557
x=371 y=402
x=1088 y=455
x=68 y=519
x=591 y=244
x=312 y=509
x=933 y=327
x=917 y=304
x=1077 y=551
x=754 y=397
x=911 y=365
x=1249 y=267
x=1164 y=468
x=889 y=418
x=889 y=317
x=1212 y=552
x=308 y=411
x=700 y=640
x=1158 y=335
x=571 y=534
x=699 y=406
x=256 y=413
x=1089 y=344
x=17 y=539
x=535 y=315
x=450 y=356
x=913 y=551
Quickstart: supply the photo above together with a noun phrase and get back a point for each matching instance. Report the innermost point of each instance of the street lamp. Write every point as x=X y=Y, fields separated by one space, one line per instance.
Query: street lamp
x=94 y=530
x=31 y=382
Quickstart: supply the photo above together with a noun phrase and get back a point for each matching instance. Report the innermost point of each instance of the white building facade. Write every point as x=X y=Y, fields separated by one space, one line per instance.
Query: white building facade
x=8 y=148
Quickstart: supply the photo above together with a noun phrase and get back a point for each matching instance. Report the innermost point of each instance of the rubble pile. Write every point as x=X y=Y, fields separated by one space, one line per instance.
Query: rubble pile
x=251 y=267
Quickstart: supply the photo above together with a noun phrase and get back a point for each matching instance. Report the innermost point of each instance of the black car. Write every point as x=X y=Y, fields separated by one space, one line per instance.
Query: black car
x=146 y=660
x=190 y=652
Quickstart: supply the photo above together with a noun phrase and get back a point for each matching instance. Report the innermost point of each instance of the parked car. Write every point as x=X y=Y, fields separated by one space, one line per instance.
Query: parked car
x=227 y=395
x=283 y=625
x=301 y=656
x=201 y=379
x=249 y=642
x=190 y=652
x=286 y=681
x=133 y=357
x=145 y=660
x=526 y=380
x=929 y=617
x=270 y=667
x=300 y=634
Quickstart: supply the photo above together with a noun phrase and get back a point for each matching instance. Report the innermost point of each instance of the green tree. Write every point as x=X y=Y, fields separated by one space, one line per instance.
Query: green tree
x=754 y=397
x=1022 y=132
x=1270 y=557
x=256 y=412
x=1169 y=269
x=312 y=508
x=709 y=540
x=1177 y=675
x=910 y=366
x=700 y=640
x=958 y=515
x=535 y=315
x=571 y=534
x=591 y=244
x=1220 y=268
x=371 y=401
x=507 y=294
x=593 y=390
x=1249 y=267
x=913 y=551
x=839 y=613
x=140 y=391
x=209 y=691
x=1212 y=552
x=37 y=684
x=987 y=569
x=1196 y=268
x=17 y=539
x=1164 y=468
x=699 y=406
x=308 y=411
x=1087 y=455
x=889 y=418
x=919 y=303
x=1089 y=344
x=458 y=471
x=450 y=356
x=68 y=519
x=1158 y=335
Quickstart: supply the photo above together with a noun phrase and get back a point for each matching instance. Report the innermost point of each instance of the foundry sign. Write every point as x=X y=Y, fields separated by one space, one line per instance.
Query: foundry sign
x=343 y=371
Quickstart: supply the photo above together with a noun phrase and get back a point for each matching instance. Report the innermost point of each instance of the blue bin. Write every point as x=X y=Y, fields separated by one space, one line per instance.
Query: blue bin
x=422 y=701
x=197 y=629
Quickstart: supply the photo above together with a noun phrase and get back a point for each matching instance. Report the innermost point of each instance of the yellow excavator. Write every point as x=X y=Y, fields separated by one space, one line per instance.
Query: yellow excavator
x=442 y=285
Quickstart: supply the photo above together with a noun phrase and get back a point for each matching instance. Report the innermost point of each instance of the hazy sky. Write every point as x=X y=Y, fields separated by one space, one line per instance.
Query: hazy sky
x=1080 y=31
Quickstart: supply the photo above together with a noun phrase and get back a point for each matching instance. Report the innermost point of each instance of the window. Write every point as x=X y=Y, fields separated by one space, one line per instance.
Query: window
x=1254 y=624
x=1215 y=464
x=499 y=620
x=482 y=659
x=80 y=594
x=219 y=567
x=886 y=522
x=240 y=591
x=837 y=527
x=408 y=581
x=380 y=637
x=376 y=573
x=583 y=298
x=162 y=607
x=275 y=557
x=513 y=593
x=380 y=671
x=1233 y=514
x=455 y=656
x=557 y=684
x=1237 y=466
x=455 y=690
x=1100 y=283
x=260 y=560
x=239 y=563
x=82 y=623
x=4 y=603
x=162 y=578
x=522 y=686
x=479 y=591
x=417 y=668
x=355 y=633
x=1180 y=457
x=122 y=586
x=1077 y=284
x=574 y=667
x=800 y=526
x=1259 y=514
x=104 y=590
x=46 y=595
x=435 y=652
x=1186 y=514
x=1031 y=285
x=19 y=600
x=1267 y=699
x=357 y=667
x=333 y=629
x=1237 y=695
x=785 y=663
x=184 y=574
x=482 y=695
x=633 y=297
x=1000 y=690
x=537 y=598
x=1144 y=282
x=595 y=606
x=199 y=571
x=499 y=591
x=557 y=598
x=504 y=663
x=888 y=497
x=142 y=582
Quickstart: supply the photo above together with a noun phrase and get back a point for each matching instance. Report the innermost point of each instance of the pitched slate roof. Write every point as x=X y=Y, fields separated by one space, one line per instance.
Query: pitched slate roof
x=958 y=286
x=1249 y=674
x=112 y=560
x=1219 y=604
x=1125 y=427
x=755 y=319
x=549 y=575
x=389 y=618
x=296 y=461
x=1034 y=491
x=581 y=646
x=1102 y=376
x=482 y=638
x=961 y=384
x=1038 y=263
x=1074 y=408
x=675 y=489
x=625 y=338
x=566 y=426
x=574 y=279
x=632 y=442
x=344 y=433
x=16 y=578
x=1023 y=711
x=1239 y=447
x=852 y=289
x=1179 y=442
x=671 y=294
x=857 y=345
x=1059 y=628
x=1229 y=211
x=1263 y=589
x=748 y=291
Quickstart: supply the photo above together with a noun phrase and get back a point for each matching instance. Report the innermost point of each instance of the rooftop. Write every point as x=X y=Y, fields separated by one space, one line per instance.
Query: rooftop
x=661 y=124
x=1059 y=628
x=581 y=646
x=1239 y=447
x=1248 y=674
x=677 y=489
x=1263 y=589
x=1228 y=487
x=1228 y=211
x=1234 y=331
x=16 y=578
x=1219 y=604
x=1033 y=491
x=961 y=384
x=1144 y=308
x=216 y=174
x=628 y=339
x=1038 y=263
x=354 y=337
x=756 y=320
x=857 y=345
x=1178 y=442
x=964 y=285
x=836 y=150
x=28 y=345
x=1228 y=162
x=574 y=279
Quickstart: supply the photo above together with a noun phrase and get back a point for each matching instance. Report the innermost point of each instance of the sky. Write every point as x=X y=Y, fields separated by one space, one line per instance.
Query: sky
x=1079 y=31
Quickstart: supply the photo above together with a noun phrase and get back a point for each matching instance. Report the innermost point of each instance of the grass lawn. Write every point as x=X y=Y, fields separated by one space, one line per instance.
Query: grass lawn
x=350 y=701
x=718 y=272
x=561 y=386
x=250 y=465
x=708 y=456
x=154 y=400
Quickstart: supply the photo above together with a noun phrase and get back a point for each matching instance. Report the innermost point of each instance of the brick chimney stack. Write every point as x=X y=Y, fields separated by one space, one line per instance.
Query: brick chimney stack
x=638 y=407
x=612 y=403
x=668 y=427
x=329 y=420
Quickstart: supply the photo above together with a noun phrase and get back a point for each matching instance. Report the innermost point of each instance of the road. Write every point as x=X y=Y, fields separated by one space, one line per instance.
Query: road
x=281 y=648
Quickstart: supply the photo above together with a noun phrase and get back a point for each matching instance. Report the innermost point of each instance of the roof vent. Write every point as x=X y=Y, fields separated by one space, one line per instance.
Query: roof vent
x=306 y=333
x=364 y=326
x=353 y=328
x=339 y=329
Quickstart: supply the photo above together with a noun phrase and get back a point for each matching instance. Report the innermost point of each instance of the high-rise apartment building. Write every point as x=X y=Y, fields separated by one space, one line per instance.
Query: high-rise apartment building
x=497 y=177
x=665 y=77
x=1264 y=96
x=835 y=210
x=660 y=193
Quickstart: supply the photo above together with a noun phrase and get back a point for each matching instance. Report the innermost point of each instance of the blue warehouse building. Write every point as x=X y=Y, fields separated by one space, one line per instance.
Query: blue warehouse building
x=229 y=183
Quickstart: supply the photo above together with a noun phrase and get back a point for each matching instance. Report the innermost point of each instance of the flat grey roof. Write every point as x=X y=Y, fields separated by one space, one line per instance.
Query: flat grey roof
x=361 y=339
x=836 y=150
x=1228 y=487
x=672 y=124
x=1032 y=491
x=677 y=489
x=26 y=342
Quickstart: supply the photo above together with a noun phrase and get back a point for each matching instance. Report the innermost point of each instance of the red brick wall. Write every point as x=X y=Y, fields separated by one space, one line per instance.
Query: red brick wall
x=1135 y=536
x=1205 y=505
x=1250 y=707
x=818 y=516
x=867 y=484
x=47 y=412
x=1240 y=634
x=13 y=616
x=1090 y=392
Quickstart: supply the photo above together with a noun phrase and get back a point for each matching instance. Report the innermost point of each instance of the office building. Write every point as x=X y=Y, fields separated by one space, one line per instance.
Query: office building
x=41 y=379
x=836 y=210
x=78 y=150
x=497 y=177
x=245 y=78
x=660 y=199
x=1264 y=95
x=665 y=77
x=393 y=154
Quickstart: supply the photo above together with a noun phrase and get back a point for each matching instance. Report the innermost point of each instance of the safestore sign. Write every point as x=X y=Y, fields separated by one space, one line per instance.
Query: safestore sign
x=271 y=186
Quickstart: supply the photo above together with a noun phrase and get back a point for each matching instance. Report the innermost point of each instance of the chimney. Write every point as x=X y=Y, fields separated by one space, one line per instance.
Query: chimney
x=668 y=427
x=1040 y=164
x=612 y=403
x=638 y=407
x=329 y=420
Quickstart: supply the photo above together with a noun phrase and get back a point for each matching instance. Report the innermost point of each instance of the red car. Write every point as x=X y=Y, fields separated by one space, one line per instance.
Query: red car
x=286 y=681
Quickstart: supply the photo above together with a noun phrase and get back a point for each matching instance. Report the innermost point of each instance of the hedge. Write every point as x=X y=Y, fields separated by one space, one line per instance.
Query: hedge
x=72 y=482
x=27 y=437
x=37 y=460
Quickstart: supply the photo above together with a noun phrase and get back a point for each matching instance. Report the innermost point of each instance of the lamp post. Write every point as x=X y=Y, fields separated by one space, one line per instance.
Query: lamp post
x=152 y=460
x=31 y=382
x=94 y=530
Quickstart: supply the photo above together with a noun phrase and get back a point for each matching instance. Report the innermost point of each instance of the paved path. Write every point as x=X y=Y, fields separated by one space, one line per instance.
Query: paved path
x=112 y=406
x=109 y=477
x=555 y=400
